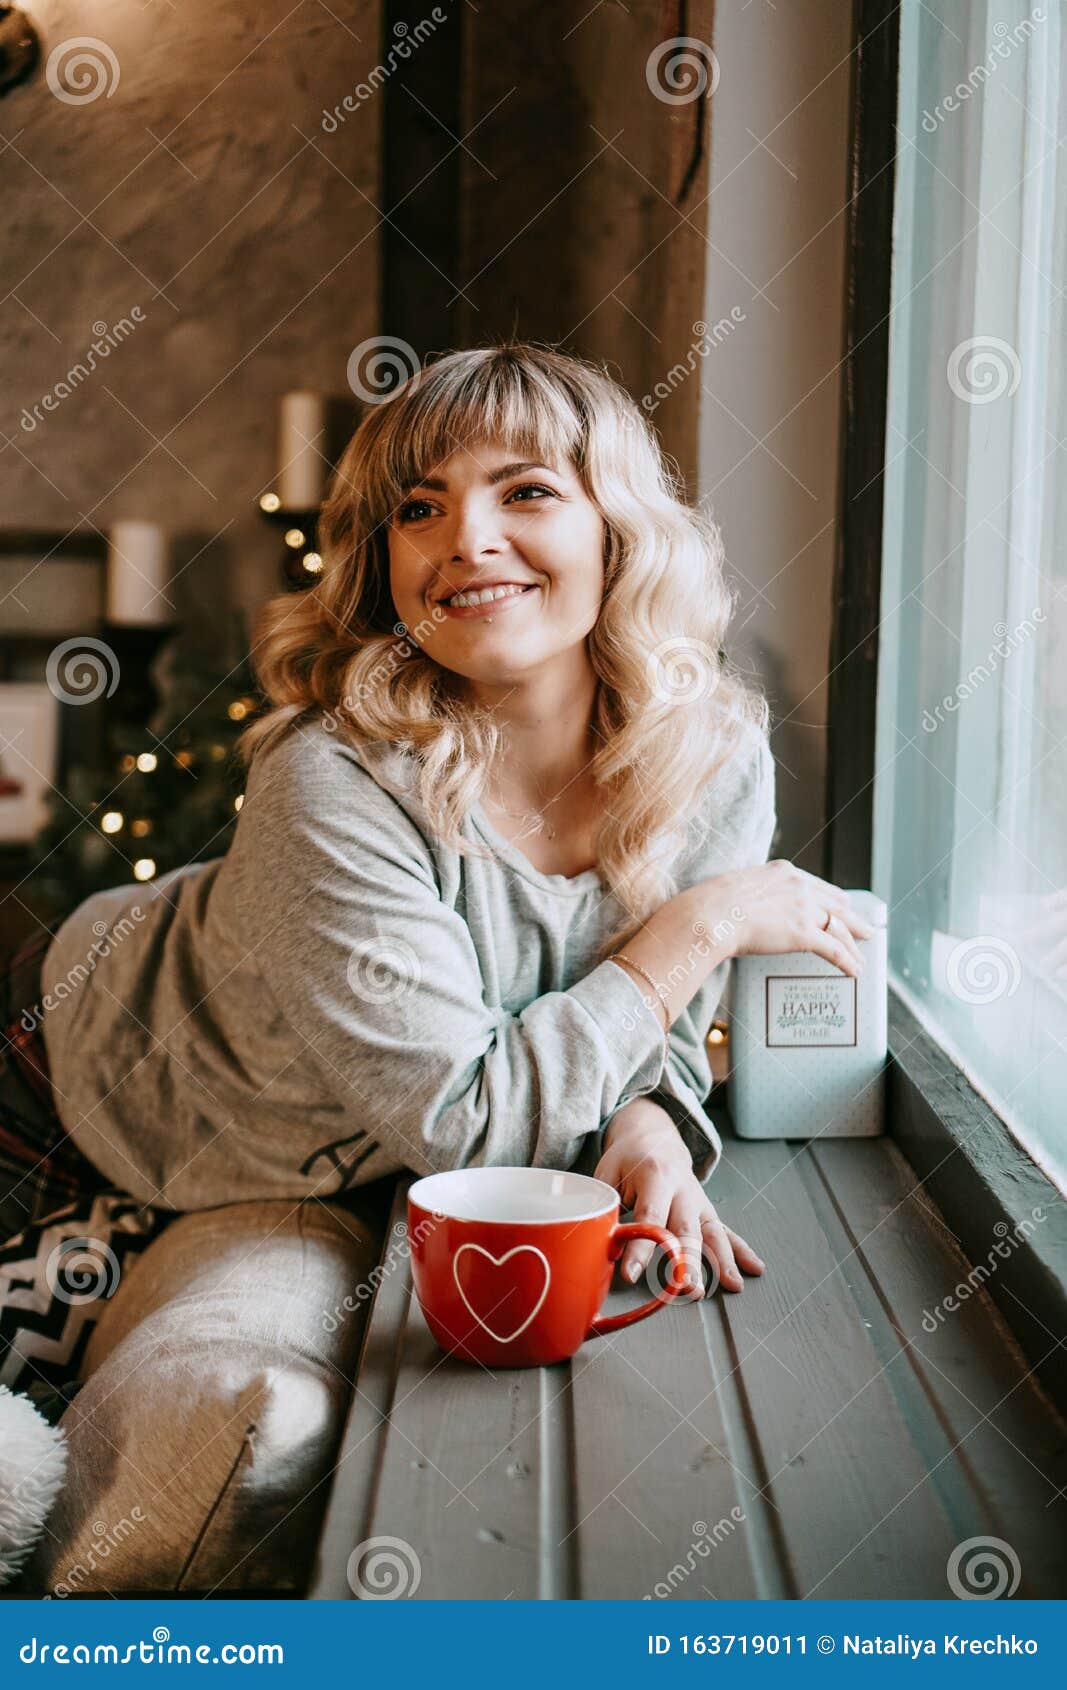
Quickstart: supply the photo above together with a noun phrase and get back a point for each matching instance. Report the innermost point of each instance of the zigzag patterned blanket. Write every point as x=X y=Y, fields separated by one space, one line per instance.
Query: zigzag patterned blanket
x=55 y=1279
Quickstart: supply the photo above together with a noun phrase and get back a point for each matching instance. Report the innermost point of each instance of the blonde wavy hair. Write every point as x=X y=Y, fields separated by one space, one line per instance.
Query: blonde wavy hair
x=669 y=711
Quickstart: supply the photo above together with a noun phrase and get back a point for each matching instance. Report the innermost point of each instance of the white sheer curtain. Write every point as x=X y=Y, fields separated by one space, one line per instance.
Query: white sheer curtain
x=971 y=783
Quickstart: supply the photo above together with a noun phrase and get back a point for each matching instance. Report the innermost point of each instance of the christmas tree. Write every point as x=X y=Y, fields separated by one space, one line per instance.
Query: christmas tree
x=167 y=792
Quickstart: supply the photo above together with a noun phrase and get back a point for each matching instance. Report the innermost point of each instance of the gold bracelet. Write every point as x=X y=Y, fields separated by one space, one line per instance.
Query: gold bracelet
x=620 y=956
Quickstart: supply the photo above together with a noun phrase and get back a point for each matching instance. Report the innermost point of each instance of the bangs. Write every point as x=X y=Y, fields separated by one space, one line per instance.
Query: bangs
x=491 y=396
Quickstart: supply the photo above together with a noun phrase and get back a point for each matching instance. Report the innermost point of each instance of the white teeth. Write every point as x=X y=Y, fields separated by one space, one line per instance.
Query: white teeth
x=485 y=595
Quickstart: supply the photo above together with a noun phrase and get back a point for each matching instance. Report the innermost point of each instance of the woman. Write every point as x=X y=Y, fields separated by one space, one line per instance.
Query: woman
x=506 y=820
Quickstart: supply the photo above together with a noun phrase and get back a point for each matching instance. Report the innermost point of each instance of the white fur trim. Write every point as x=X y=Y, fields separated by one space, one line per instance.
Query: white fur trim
x=33 y=1465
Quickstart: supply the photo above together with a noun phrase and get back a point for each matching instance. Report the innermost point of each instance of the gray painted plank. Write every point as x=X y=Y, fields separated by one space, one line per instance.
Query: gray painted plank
x=462 y=1476
x=657 y=1470
x=843 y=1471
x=994 y=1444
x=443 y=1457
x=349 y=1513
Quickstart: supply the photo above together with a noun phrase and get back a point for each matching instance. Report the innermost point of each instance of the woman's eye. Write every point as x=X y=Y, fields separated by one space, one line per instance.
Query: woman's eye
x=415 y=510
x=406 y=511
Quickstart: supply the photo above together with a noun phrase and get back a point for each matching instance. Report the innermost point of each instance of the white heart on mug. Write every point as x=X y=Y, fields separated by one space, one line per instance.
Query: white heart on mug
x=498 y=1261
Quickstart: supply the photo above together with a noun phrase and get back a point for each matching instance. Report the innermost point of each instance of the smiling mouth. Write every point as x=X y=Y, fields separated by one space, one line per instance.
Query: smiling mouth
x=475 y=598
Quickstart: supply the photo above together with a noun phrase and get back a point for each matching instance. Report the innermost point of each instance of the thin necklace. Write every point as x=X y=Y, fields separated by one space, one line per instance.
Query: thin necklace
x=530 y=816
x=533 y=815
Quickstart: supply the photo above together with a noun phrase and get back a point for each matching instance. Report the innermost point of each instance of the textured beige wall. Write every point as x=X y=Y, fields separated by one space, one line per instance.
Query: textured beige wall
x=769 y=440
x=188 y=193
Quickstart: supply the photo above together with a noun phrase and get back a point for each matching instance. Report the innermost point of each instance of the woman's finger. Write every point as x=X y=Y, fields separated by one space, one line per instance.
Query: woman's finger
x=841 y=931
x=838 y=903
x=685 y=1223
x=719 y=1239
x=652 y=1205
x=828 y=895
x=744 y=1255
x=824 y=943
x=857 y=926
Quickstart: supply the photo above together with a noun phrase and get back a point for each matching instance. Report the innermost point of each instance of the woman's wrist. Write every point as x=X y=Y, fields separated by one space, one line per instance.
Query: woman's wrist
x=641 y=1143
x=643 y=1114
x=718 y=913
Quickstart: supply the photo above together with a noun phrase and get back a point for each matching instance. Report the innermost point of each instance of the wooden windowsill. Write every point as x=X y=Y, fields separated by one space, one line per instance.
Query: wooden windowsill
x=984 y=1184
x=829 y=1432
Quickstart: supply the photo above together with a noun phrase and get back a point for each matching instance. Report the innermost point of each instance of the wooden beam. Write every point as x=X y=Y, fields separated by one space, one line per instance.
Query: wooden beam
x=858 y=565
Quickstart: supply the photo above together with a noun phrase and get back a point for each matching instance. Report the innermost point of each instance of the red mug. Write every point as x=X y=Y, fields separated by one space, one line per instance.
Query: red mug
x=511 y=1265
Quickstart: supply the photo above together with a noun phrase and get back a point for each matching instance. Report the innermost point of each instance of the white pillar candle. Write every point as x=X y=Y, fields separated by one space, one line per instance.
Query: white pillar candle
x=302 y=461
x=137 y=574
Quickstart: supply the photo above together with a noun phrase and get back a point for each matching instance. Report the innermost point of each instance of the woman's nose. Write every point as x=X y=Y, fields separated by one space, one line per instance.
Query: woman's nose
x=474 y=530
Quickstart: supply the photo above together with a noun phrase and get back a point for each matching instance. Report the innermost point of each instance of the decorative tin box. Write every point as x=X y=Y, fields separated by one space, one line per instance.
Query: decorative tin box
x=808 y=1043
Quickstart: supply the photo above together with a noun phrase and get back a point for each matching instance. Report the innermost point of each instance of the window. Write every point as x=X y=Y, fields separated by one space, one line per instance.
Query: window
x=971 y=763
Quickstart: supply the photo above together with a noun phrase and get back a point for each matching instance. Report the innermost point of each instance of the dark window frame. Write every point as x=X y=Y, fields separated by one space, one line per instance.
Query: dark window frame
x=962 y=1151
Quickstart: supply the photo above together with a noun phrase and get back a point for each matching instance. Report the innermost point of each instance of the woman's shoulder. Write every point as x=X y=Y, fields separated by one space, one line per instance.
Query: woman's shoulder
x=736 y=816
x=311 y=751
x=313 y=780
x=747 y=775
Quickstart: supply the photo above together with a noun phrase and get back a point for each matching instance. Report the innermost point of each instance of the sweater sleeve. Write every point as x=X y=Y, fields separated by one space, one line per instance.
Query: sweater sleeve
x=341 y=908
x=735 y=833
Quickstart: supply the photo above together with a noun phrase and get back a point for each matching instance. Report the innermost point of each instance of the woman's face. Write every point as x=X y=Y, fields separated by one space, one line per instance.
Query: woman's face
x=483 y=520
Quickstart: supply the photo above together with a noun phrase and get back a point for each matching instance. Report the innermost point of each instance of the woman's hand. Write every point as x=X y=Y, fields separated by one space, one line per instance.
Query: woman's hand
x=646 y=1160
x=778 y=907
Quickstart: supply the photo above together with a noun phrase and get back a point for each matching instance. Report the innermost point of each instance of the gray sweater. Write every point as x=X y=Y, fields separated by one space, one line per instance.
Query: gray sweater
x=341 y=997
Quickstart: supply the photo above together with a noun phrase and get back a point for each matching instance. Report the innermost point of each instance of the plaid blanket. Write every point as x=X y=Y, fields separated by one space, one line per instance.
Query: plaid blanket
x=39 y=1165
x=66 y=1236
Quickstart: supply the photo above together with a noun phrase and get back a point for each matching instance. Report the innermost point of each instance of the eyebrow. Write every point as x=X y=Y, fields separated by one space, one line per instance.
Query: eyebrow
x=438 y=486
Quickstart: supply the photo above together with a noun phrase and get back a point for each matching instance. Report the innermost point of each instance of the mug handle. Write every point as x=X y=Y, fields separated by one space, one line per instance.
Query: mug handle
x=621 y=1234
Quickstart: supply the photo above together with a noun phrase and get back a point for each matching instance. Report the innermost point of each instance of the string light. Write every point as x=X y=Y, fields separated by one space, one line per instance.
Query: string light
x=270 y=502
x=295 y=537
x=158 y=811
x=312 y=562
